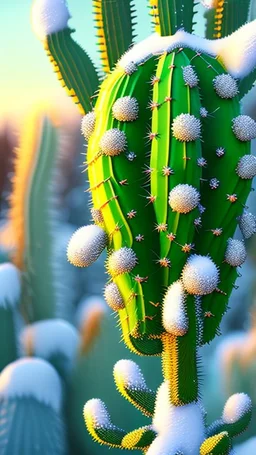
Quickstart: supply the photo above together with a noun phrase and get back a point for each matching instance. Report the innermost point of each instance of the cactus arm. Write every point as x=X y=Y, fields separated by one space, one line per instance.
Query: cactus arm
x=170 y=15
x=219 y=444
x=226 y=17
x=114 y=21
x=73 y=66
x=140 y=396
x=97 y=421
x=139 y=439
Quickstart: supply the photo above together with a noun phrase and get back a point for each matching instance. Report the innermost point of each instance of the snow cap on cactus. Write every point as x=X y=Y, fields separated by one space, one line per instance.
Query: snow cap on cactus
x=121 y=261
x=126 y=109
x=200 y=275
x=186 y=128
x=51 y=337
x=113 y=142
x=128 y=373
x=247 y=224
x=88 y=124
x=183 y=198
x=246 y=168
x=86 y=245
x=225 y=86
x=31 y=377
x=49 y=16
x=236 y=407
x=244 y=128
x=96 y=413
x=235 y=254
x=174 y=317
x=10 y=285
x=237 y=51
x=113 y=297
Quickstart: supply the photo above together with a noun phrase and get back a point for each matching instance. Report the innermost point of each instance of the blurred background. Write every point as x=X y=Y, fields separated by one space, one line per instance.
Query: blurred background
x=51 y=205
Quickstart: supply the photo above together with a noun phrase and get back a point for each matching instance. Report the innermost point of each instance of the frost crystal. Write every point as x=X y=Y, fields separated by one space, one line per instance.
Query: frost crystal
x=86 y=245
x=235 y=254
x=200 y=276
x=121 y=261
x=113 y=142
x=96 y=411
x=113 y=297
x=183 y=198
x=126 y=109
x=247 y=224
x=244 y=128
x=186 y=128
x=236 y=407
x=246 y=168
x=49 y=16
x=190 y=76
x=129 y=374
x=88 y=125
x=174 y=316
x=225 y=86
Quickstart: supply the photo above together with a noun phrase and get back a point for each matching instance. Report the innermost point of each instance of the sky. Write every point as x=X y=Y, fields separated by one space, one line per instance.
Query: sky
x=26 y=76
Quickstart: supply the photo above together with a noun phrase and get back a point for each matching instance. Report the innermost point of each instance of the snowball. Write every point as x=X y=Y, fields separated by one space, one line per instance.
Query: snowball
x=174 y=317
x=186 y=128
x=235 y=254
x=121 y=261
x=128 y=373
x=88 y=125
x=113 y=297
x=236 y=407
x=183 y=198
x=246 y=168
x=126 y=109
x=247 y=224
x=10 y=285
x=31 y=377
x=113 y=142
x=86 y=245
x=200 y=276
x=244 y=128
x=225 y=86
x=49 y=16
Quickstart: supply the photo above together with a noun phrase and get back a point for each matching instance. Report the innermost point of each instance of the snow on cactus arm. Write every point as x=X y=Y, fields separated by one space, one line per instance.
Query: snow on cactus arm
x=168 y=16
x=114 y=21
x=10 y=294
x=224 y=192
x=73 y=66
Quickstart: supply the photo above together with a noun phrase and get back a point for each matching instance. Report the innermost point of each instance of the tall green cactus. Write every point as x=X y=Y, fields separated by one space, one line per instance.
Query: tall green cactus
x=170 y=170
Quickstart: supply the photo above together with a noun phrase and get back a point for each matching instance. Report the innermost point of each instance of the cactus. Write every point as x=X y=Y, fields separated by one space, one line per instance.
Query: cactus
x=170 y=170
